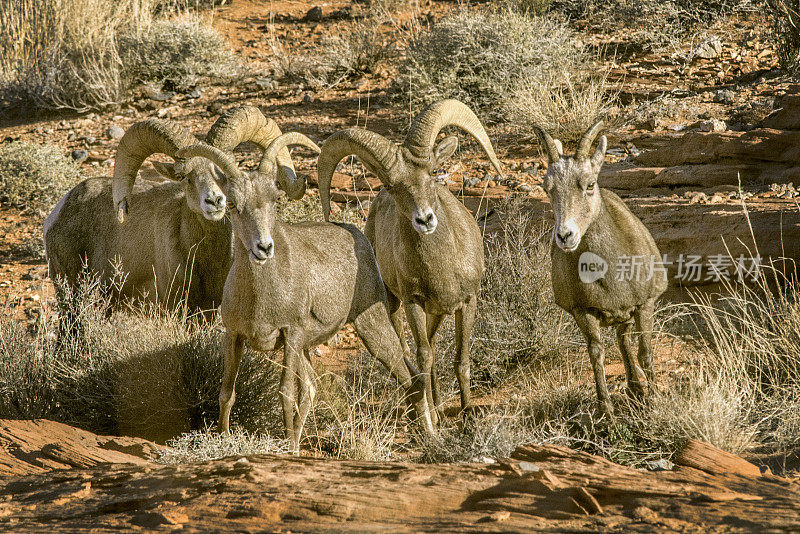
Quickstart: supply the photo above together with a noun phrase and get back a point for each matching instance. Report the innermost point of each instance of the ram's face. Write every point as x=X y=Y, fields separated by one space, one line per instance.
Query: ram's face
x=200 y=179
x=251 y=203
x=416 y=198
x=575 y=196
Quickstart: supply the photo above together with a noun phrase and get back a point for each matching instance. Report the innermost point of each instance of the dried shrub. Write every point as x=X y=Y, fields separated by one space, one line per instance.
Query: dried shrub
x=511 y=67
x=786 y=27
x=34 y=176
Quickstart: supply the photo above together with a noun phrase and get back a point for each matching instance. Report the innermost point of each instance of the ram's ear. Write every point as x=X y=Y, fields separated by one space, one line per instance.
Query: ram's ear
x=600 y=152
x=167 y=170
x=445 y=149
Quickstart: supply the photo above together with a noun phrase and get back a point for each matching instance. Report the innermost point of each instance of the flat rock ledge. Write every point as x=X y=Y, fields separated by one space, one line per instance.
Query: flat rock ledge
x=540 y=488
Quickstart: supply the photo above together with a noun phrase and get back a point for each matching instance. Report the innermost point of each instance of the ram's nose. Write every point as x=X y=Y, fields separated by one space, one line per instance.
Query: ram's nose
x=264 y=250
x=425 y=221
x=215 y=201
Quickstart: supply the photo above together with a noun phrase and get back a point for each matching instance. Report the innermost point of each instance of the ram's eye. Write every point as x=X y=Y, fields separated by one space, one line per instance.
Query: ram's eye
x=591 y=187
x=231 y=205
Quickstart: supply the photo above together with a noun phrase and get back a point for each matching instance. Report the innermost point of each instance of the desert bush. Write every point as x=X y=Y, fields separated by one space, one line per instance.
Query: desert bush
x=144 y=372
x=786 y=27
x=205 y=445
x=34 y=176
x=350 y=52
x=511 y=67
x=176 y=54
x=65 y=54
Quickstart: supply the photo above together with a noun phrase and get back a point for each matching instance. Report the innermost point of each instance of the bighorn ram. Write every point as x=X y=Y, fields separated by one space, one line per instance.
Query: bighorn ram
x=296 y=285
x=594 y=235
x=428 y=245
x=174 y=239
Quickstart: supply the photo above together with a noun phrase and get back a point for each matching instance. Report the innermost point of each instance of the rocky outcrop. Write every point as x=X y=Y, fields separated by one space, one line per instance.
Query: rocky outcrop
x=762 y=156
x=540 y=488
x=40 y=446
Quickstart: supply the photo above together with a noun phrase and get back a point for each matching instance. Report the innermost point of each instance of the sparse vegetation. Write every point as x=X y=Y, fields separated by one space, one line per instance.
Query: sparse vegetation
x=512 y=67
x=34 y=176
x=85 y=54
x=205 y=445
x=357 y=49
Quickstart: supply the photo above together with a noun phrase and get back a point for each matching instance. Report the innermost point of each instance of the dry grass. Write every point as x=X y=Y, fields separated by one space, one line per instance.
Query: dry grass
x=34 y=176
x=510 y=66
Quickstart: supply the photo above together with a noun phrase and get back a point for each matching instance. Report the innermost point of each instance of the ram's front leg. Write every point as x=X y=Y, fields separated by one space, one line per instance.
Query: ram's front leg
x=234 y=344
x=418 y=320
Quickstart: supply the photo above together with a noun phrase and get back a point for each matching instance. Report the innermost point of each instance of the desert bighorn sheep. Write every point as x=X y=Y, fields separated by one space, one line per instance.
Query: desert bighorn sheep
x=296 y=285
x=595 y=232
x=428 y=245
x=174 y=239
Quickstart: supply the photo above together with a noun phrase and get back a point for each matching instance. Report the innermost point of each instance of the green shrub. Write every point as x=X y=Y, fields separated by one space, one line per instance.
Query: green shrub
x=510 y=67
x=34 y=176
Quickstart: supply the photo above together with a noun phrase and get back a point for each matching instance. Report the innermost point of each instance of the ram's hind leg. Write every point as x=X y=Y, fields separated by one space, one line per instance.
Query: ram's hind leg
x=376 y=331
x=307 y=381
x=465 y=319
x=624 y=333
x=234 y=344
x=643 y=316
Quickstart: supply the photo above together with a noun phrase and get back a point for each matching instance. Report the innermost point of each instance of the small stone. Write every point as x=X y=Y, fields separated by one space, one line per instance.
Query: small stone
x=115 y=132
x=197 y=93
x=214 y=108
x=525 y=188
x=677 y=127
x=724 y=96
x=94 y=117
x=108 y=162
x=79 y=155
x=307 y=98
x=499 y=516
x=241 y=462
x=162 y=96
x=712 y=125
x=314 y=14
x=90 y=140
x=71 y=136
x=662 y=464
x=492 y=183
x=484 y=460
x=265 y=83
x=471 y=182
x=163 y=113
x=529 y=467
x=709 y=48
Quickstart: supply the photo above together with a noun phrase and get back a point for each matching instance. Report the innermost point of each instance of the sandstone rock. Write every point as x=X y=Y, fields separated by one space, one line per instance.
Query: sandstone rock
x=708 y=458
x=787 y=117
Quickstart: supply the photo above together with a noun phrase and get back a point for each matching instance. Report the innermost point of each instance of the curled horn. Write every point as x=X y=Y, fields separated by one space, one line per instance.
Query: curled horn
x=553 y=153
x=152 y=136
x=585 y=143
x=427 y=125
x=247 y=123
x=379 y=154
x=279 y=144
x=221 y=159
